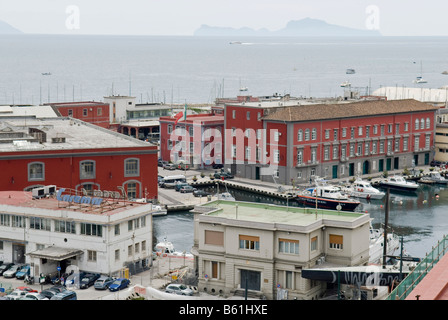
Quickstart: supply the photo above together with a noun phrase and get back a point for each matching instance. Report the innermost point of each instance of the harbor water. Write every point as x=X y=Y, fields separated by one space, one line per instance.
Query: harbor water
x=421 y=218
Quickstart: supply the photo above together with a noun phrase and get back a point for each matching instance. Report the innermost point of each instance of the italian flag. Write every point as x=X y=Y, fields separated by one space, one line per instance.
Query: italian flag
x=181 y=114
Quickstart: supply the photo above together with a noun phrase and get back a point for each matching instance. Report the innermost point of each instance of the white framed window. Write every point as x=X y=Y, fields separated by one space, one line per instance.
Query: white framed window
x=359 y=131
x=314 y=134
x=300 y=135
x=344 y=132
x=36 y=171
x=248 y=115
x=327 y=134
x=132 y=167
x=428 y=123
x=417 y=123
x=276 y=156
x=87 y=169
x=288 y=246
x=233 y=114
x=307 y=134
x=169 y=128
x=248 y=151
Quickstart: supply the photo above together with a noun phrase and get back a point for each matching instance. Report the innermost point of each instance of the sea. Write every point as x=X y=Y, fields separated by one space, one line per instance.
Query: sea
x=193 y=69
x=37 y=69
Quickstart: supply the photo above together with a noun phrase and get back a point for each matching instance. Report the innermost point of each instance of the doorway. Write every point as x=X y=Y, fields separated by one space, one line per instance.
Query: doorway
x=251 y=279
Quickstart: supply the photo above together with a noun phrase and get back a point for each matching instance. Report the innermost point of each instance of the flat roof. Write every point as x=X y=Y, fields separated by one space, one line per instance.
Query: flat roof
x=280 y=215
x=61 y=134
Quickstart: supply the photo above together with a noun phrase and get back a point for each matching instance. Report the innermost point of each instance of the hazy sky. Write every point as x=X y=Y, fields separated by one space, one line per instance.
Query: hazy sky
x=183 y=17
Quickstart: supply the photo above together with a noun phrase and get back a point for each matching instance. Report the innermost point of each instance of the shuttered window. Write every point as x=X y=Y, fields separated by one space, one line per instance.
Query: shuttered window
x=336 y=241
x=249 y=242
x=214 y=237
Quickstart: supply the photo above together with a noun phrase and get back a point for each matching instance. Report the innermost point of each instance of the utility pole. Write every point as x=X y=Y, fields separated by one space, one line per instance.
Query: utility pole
x=385 y=227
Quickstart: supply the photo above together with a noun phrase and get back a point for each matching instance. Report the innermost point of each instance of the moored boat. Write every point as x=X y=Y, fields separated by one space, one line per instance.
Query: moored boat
x=326 y=197
x=363 y=189
x=434 y=177
x=399 y=183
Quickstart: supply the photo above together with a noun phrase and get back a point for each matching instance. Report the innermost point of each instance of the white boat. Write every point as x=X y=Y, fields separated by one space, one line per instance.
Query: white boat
x=46 y=73
x=434 y=177
x=345 y=84
x=244 y=89
x=420 y=80
x=399 y=183
x=226 y=196
x=350 y=71
x=377 y=244
x=166 y=249
x=363 y=189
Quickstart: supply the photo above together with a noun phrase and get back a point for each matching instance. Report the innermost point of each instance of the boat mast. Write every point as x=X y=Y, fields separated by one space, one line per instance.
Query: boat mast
x=385 y=227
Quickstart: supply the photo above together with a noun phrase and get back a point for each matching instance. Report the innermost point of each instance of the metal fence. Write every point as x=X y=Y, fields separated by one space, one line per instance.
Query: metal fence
x=413 y=279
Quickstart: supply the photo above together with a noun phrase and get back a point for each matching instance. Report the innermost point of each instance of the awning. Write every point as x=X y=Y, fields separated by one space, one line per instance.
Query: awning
x=55 y=253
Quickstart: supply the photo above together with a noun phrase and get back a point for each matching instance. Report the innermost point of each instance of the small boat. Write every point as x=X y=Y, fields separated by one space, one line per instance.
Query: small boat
x=350 y=71
x=46 y=73
x=399 y=183
x=345 y=84
x=434 y=177
x=420 y=80
x=235 y=42
x=244 y=89
x=226 y=196
x=377 y=244
x=363 y=189
x=166 y=249
x=326 y=197
x=445 y=72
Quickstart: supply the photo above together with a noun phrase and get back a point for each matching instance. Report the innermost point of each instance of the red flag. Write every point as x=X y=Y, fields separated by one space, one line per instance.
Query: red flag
x=178 y=116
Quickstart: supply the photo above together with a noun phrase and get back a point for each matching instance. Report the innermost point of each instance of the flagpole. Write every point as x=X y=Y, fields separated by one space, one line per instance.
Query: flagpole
x=186 y=146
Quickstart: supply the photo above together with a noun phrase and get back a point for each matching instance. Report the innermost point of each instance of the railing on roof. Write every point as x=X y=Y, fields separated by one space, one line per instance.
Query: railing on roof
x=413 y=279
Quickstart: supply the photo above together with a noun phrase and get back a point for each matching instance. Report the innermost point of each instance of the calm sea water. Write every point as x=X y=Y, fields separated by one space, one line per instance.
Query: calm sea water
x=420 y=218
x=199 y=69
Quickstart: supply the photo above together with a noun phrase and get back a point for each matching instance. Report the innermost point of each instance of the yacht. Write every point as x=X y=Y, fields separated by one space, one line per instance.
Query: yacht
x=363 y=189
x=345 y=84
x=326 y=197
x=377 y=244
x=350 y=71
x=398 y=183
x=420 y=80
x=434 y=177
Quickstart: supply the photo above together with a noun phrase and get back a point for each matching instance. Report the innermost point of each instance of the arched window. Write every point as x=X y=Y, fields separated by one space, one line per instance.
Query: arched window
x=307 y=134
x=300 y=135
x=428 y=123
x=36 y=171
x=417 y=124
x=422 y=123
x=314 y=134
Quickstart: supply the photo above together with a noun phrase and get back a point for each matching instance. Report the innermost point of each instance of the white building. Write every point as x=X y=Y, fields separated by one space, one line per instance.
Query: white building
x=54 y=231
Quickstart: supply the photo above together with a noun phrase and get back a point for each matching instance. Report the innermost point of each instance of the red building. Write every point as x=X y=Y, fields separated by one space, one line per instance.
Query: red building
x=296 y=142
x=198 y=140
x=89 y=111
x=74 y=154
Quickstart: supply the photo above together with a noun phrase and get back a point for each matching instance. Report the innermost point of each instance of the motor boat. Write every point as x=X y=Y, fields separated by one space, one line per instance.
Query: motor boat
x=434 y=177
x=165 y=248
x=398 y=183
x=345 y=84
x=376 y=246
x=363 y=189
x=326 y=197
x=350 y=71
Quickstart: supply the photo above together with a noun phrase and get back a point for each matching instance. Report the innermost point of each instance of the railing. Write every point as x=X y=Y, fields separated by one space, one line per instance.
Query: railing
x=413 y=279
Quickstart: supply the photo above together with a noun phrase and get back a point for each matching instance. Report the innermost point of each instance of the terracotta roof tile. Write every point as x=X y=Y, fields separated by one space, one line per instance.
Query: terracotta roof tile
x=347 y=110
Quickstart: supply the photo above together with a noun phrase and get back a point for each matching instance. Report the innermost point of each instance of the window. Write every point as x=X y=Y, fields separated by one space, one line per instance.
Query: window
x=137 y=247
x=360 y=131
x=375 y=129
x=416 y=143
x=299 y=157
x=405 y=144
x=131 y=168
x=397 y=128
x=313 y=156
x=335 y=134
x=249 y=242
x=382 y=130
x=170 y=128
x=91 y=255
x=248 y=115
x=87 y=169
x=117 y=229
x=18 y=222
x=117 y=255
x=84 y=112
x=427 y=142
x=374 y=148
x=336 y=241
x=366 y=148
x=64 y=226
x=343 y=152
x=234 y=114
x=397 y=145
x=259 y=116
x=214 y=270
x=314 y=134
x=276 y=135
x=344 y=132
x=381 y=146
x=327 y=153
x=300 y=135
x=406 y=126
x=327 y=134
x=288 y=279
x=367 y=131
x=99 y=111
x=233 y=151
x=389 y=128
x=132 y=190
x=90 y=229
x=247 y=133
x=422 y=123
x=307 y=134
x=416 y=124
x=36 y=171
x=428 y=123
x=352 y=133
x=5 y=220
x=40 y=223
x=288 y=246
x=190 y=131
x=130 y=250
x=276 y=156
x=248 y=153
x=70 y=112
x=143 y=245
x=314 y=243
x=335 y=152
x=215 y=238
x=352 y=150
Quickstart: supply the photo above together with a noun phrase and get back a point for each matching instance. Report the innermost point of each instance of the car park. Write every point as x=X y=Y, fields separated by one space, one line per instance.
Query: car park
x=200 y=193
x=179 y=288
x=187 y=189
x=11 y=272
x=103 y=283
x=119 y=284
x=88 y=280
x=5 y=266
x=66 y=295
x=23 y=272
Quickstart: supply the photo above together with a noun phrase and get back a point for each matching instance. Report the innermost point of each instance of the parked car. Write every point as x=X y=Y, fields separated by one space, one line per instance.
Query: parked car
x=162 y=163
x=49 y=293
x=26 y=289
x=23 y=272
x=437 y=163
x=221 y=175
x=66 y=295
x=11 y=272
x=187 y=189
x=170 y=166
x=16 y=294
x=34 y=296
x=200 y=193
x=178 y=288
x=183 y=166
x=58 y=288
x=88 y=280
x=74 y=279
x=5 y=266
x=119 y=284
x=103 y=283
x=179 y=185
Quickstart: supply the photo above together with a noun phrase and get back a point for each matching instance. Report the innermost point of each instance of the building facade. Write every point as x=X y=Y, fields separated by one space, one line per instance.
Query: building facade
x=93 y=112
x=339 y=140
x=52 y=232
x=75 y=154
x=265 y=252
x=197 y=140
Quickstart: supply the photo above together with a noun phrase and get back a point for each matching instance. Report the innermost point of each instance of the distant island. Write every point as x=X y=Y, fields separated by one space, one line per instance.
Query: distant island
x=6 y=28
x=294 y=28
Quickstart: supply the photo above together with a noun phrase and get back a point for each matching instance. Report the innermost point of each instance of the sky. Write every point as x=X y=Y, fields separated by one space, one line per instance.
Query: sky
x=183 y=17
